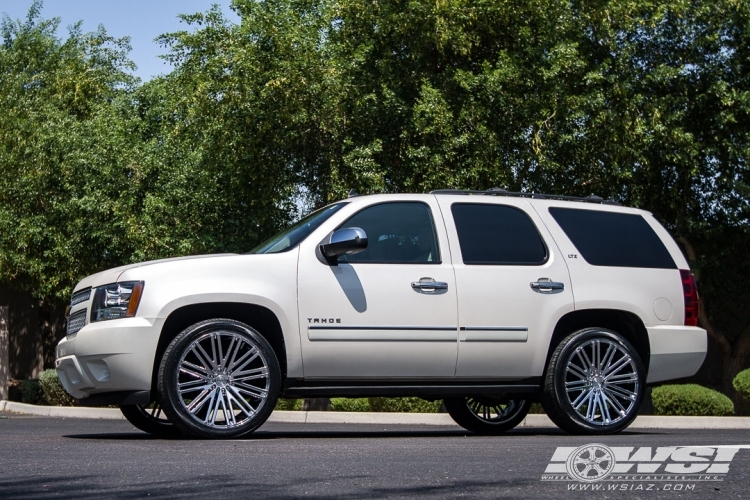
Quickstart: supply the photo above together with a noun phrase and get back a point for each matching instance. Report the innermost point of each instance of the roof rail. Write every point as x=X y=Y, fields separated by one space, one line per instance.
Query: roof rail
x=495 y=191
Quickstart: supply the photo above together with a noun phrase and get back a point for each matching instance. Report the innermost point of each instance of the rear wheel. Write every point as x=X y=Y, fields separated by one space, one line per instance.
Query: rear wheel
x=487 y=415
x=149 y=418
x=218 y=379
x=595 y=383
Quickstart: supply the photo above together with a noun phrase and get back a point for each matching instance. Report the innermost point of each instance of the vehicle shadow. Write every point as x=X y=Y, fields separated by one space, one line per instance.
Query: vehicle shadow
x=369 y=432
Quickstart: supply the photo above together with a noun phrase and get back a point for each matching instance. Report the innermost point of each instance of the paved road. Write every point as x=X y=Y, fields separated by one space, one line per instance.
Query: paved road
x=76 y=458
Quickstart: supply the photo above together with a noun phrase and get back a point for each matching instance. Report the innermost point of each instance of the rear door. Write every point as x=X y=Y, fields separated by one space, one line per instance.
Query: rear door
x=512 y=286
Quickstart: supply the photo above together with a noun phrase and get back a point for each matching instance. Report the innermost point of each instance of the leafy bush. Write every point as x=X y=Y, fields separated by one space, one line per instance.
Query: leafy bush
x=350 y=404
x=690 y=400
x=288 y=404
x=536 y=408
x=31 y=392
x=741 y=384
x=53 y=389
x=405 y=405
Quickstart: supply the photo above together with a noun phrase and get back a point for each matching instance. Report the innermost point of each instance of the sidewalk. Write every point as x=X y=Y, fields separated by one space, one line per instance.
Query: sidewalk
x=333 y=417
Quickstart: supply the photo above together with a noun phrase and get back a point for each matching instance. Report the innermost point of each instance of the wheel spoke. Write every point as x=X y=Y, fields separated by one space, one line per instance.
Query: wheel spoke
x=192 y=386
x=623 y=393
x=577 y=371
x=200 y=377
x=619 y=365
x=250 y=374
x=204 y=358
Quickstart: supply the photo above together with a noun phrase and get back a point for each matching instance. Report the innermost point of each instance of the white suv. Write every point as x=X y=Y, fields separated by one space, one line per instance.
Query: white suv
x=488 y=300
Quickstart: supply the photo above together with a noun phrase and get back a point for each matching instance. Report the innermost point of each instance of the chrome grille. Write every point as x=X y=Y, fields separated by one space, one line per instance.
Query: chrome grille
x=76 y=321
x=80 y=296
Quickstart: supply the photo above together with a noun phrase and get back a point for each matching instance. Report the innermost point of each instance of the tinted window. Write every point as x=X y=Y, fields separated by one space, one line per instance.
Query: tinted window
x=497 y=234
x=291 y=237
x=397 y=233
x=613 y=239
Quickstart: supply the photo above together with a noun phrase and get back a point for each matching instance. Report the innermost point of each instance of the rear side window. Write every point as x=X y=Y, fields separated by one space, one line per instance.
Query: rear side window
x=497 y=235
x=613 y=239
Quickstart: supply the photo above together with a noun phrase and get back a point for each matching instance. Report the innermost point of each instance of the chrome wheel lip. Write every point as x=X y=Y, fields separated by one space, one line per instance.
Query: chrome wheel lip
x=217 y=385
x=601 y=383
x=493 y=411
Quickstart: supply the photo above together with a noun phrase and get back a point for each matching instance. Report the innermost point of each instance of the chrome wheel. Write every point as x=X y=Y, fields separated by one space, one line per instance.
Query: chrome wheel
x=595 y=382
x=218 y=378
x=487 y=414
x=223 y=379
x=493 y=410
x=149 y=418
x=601 y=381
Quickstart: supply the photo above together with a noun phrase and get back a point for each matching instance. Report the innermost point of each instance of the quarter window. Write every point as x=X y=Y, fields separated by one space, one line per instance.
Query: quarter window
x=397 y=233
x=497 y=235
x=613 y=239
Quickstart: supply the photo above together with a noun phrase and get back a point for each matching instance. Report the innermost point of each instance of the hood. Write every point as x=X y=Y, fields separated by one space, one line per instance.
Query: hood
x=111 y=275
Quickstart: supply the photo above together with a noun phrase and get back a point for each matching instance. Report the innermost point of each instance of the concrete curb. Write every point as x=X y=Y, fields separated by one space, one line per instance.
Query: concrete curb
x=333 y=417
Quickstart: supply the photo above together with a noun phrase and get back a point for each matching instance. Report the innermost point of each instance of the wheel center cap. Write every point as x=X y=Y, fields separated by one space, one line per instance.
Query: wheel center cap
x=598 y=381
x=222 y=380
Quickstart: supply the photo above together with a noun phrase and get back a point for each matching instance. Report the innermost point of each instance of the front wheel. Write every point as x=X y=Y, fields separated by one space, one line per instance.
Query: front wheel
x=486 y=414
x=594 y=384
x=218 y=379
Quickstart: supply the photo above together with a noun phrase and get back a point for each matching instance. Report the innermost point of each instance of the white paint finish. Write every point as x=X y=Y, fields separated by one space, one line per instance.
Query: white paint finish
x=676 y=352
x=501 y=296
x=492 y=303
x=376 y=296
x=621 y=288
x=264 y=280
x=105 y=356
x=663 y=309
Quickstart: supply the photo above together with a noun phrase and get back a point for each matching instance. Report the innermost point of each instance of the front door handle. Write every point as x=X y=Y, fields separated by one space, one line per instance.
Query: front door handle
x=429 y=285
x=546 y=285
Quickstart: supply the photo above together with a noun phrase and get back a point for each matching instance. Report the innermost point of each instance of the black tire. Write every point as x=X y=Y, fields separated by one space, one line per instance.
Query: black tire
x=590 y=393
x=150 y=419
x=199 y=384
x=487 y=415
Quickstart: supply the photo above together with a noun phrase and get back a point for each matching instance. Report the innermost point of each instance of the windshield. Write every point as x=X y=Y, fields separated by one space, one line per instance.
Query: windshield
x=292 y=236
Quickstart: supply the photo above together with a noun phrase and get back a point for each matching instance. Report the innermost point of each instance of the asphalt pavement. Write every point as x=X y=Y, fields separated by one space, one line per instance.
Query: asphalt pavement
x=44 y=457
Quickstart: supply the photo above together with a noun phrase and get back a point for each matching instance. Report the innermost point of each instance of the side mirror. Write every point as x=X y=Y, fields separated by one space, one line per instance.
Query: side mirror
x=344 y=241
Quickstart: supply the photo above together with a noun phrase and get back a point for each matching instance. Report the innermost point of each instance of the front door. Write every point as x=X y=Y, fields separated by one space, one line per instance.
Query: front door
x=389 y=311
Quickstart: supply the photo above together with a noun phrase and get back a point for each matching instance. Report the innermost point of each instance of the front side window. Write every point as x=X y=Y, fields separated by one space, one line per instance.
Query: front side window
x=497 y=235
x=292 y=236
x=397 y=233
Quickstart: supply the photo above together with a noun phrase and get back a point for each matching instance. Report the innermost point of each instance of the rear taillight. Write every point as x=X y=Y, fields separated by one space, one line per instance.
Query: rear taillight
x=690 y=292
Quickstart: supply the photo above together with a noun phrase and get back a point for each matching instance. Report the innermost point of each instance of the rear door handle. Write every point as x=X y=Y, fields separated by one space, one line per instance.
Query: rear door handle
x=429 y=284
x=546 y=285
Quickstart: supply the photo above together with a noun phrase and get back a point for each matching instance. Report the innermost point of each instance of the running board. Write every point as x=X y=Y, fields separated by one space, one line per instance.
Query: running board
x=436 y=391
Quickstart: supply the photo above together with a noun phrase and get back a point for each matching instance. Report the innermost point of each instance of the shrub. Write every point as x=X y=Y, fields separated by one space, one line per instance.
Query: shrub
x=741 y=384
x=53 y=389
x=31 y=392
x=350 y=404
x=405 y=405
x=288 y=404
x=536 y=408
x=690 y=400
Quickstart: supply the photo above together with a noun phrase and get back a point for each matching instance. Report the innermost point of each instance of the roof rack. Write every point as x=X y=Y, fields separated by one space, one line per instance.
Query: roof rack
x=495 y=191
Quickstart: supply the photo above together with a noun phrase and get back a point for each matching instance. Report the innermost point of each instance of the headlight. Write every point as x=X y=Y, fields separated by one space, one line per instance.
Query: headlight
x=118 y=300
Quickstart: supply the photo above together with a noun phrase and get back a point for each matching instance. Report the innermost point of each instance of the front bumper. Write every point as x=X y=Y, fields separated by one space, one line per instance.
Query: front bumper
x=676 y=352
x=108 y=357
